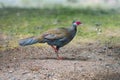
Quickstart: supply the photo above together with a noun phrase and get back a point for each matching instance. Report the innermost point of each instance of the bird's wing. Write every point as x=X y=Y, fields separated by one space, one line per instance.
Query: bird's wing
x=56 y=33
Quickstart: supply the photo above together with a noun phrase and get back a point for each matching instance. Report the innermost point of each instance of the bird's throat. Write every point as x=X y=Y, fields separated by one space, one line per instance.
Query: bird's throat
x=74 y=28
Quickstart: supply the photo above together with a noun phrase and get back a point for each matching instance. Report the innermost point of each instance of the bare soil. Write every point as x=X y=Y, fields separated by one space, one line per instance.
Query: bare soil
x=90 y=61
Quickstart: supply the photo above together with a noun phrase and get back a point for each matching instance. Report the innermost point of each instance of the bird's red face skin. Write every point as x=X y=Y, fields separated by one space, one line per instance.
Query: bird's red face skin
x=78 y=22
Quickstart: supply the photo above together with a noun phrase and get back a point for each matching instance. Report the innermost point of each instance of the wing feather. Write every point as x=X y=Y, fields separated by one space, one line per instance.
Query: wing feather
x=56 y=33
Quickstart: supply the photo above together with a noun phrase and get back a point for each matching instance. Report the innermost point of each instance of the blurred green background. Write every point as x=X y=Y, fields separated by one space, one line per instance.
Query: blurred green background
x=25 y=18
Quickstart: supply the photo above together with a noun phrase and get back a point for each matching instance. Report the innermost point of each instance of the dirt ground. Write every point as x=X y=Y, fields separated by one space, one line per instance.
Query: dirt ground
x=89 y=61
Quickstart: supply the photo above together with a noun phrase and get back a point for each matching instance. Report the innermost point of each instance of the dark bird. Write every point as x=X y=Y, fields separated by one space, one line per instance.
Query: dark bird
x=56 y=38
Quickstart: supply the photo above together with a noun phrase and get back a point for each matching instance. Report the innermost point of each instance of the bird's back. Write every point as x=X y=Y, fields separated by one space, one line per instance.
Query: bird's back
x=58 y=37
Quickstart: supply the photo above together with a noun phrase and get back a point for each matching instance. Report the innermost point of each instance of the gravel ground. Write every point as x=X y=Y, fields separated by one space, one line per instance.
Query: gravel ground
x=89 y=61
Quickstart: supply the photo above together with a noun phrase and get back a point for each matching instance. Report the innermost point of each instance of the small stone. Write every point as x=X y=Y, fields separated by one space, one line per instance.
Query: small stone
x=24 y=73
x=100 y=59
x=109 y=55
x=14 y=58
x=55 y=79
x=11 y=71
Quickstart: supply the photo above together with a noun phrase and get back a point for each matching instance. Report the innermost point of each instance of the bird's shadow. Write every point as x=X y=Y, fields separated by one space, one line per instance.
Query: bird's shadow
x=63 y=58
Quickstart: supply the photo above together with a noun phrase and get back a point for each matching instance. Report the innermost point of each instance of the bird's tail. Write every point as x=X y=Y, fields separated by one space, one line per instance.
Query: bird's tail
x=28 y=41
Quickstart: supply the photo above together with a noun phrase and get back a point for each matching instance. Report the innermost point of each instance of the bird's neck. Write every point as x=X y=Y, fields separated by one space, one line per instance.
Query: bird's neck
x=74 y=28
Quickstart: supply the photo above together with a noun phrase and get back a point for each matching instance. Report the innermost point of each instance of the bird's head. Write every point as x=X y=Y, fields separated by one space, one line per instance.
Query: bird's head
x=76 y=23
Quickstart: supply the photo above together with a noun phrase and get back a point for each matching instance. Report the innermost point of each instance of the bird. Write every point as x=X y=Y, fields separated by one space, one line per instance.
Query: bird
x=56 y=38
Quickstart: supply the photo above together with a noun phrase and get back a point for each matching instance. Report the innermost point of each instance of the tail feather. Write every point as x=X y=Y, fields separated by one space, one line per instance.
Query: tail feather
x=28 y=41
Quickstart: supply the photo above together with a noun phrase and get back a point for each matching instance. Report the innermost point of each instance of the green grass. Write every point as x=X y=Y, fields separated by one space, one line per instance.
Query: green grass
x=28 y=22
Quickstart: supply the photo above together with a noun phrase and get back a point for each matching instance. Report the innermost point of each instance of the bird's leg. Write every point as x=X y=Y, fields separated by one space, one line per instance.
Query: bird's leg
x=58 y=57
x=56 y=51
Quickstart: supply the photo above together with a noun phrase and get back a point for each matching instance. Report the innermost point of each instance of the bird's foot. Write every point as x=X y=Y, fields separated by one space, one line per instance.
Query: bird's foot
x=60 y=58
